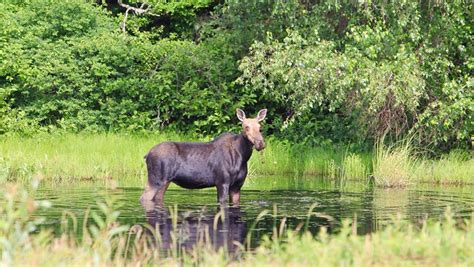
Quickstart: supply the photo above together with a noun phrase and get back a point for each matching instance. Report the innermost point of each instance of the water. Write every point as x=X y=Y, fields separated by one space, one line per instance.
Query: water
x=288 y=199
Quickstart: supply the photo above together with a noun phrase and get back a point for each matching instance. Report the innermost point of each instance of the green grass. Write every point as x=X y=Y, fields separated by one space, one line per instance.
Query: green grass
x=118 y=158
x=70 y=157
x=393 y=165
x=398 y=166
x=455 y=168
x=354 y=167
x=78 y=157
x=105 y=242
x=283 y=158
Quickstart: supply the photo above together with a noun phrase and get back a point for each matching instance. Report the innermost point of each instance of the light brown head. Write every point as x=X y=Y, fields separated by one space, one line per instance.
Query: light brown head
x=251 y=128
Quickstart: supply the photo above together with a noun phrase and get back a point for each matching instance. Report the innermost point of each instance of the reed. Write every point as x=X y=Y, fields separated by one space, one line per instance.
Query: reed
x=100 y=157
x=107 y=243
x=399 y=166
x=353 y=168
x=455 y=168
x=118 y=158
x=77 y=157
x=393 y=165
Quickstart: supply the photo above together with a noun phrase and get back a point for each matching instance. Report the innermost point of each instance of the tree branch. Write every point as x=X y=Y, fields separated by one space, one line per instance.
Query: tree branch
x=137 y=10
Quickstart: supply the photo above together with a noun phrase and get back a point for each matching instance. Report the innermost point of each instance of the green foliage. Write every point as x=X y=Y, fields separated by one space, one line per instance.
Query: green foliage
x=98 y=78
x=183 y=14
x=449 y=118
x=329 y=72
x=388 y=68
x=237 y=24
x=17 y=222
x=309 y=77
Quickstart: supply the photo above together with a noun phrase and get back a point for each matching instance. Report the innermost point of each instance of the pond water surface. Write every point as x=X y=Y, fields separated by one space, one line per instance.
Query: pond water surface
x=288 y=199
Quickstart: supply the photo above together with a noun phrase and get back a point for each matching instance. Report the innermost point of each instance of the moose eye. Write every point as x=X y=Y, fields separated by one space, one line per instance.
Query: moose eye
x=247 y=127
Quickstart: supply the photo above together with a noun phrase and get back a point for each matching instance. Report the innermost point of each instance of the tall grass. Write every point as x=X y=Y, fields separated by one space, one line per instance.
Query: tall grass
x=107 y=243
x=398 y=166
x=353 y=167
x=393 y=165
x=455 y=168
x=399 y=244
x=285 y=158
x=102 y=157
x=118 y=158
x=72 y=157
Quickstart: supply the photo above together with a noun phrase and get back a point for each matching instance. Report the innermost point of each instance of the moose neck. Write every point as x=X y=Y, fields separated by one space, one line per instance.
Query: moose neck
x=245 y=146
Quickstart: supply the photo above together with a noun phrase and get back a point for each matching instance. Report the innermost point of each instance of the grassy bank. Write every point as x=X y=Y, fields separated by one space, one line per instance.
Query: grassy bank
x=105 y=242
x=119 y=157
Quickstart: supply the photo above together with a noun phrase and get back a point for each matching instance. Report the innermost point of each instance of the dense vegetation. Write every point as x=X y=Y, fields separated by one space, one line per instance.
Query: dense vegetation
x=328 y=72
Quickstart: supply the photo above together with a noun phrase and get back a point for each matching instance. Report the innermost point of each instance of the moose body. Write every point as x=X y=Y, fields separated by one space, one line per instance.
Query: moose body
x=221 y=163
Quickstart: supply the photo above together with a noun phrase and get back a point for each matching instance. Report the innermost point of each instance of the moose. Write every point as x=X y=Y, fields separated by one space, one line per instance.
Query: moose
x=221 y=162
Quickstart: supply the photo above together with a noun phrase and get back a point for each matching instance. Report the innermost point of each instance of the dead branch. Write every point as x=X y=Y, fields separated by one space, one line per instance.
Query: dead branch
x=137 y=10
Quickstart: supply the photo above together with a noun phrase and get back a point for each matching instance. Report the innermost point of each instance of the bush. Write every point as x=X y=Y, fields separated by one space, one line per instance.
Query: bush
x=329 y=73
x=68 y=65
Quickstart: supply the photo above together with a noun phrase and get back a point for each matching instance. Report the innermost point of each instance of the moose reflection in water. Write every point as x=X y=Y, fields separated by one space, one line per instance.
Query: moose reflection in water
x=223 y=228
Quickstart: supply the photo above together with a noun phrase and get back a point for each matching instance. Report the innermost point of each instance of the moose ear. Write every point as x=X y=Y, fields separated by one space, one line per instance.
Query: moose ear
x=261 y=114
x=240 y=114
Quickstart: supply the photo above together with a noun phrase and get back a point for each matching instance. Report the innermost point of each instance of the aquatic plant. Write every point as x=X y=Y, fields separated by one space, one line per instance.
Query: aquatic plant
x=353 y=168
x=117 y=158
x=399 y=244
x=17 y=223
x=456 y=167
x=393 y=165
x=107 y=243
x=331 y=170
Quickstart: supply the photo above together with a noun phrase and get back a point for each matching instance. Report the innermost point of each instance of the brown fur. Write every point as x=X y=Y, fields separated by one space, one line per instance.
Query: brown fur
x=221 y=163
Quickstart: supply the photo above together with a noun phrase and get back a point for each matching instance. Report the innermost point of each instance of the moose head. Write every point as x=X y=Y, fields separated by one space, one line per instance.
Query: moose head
x=251 y=128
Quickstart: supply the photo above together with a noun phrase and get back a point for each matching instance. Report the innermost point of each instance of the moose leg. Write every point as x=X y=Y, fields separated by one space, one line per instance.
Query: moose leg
x=149 y=193
x=147 y=197
x=234 y=191
x=234 y=197
x=222 y=193
x=154 y=192
x=157 y=182
x=160 y=194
